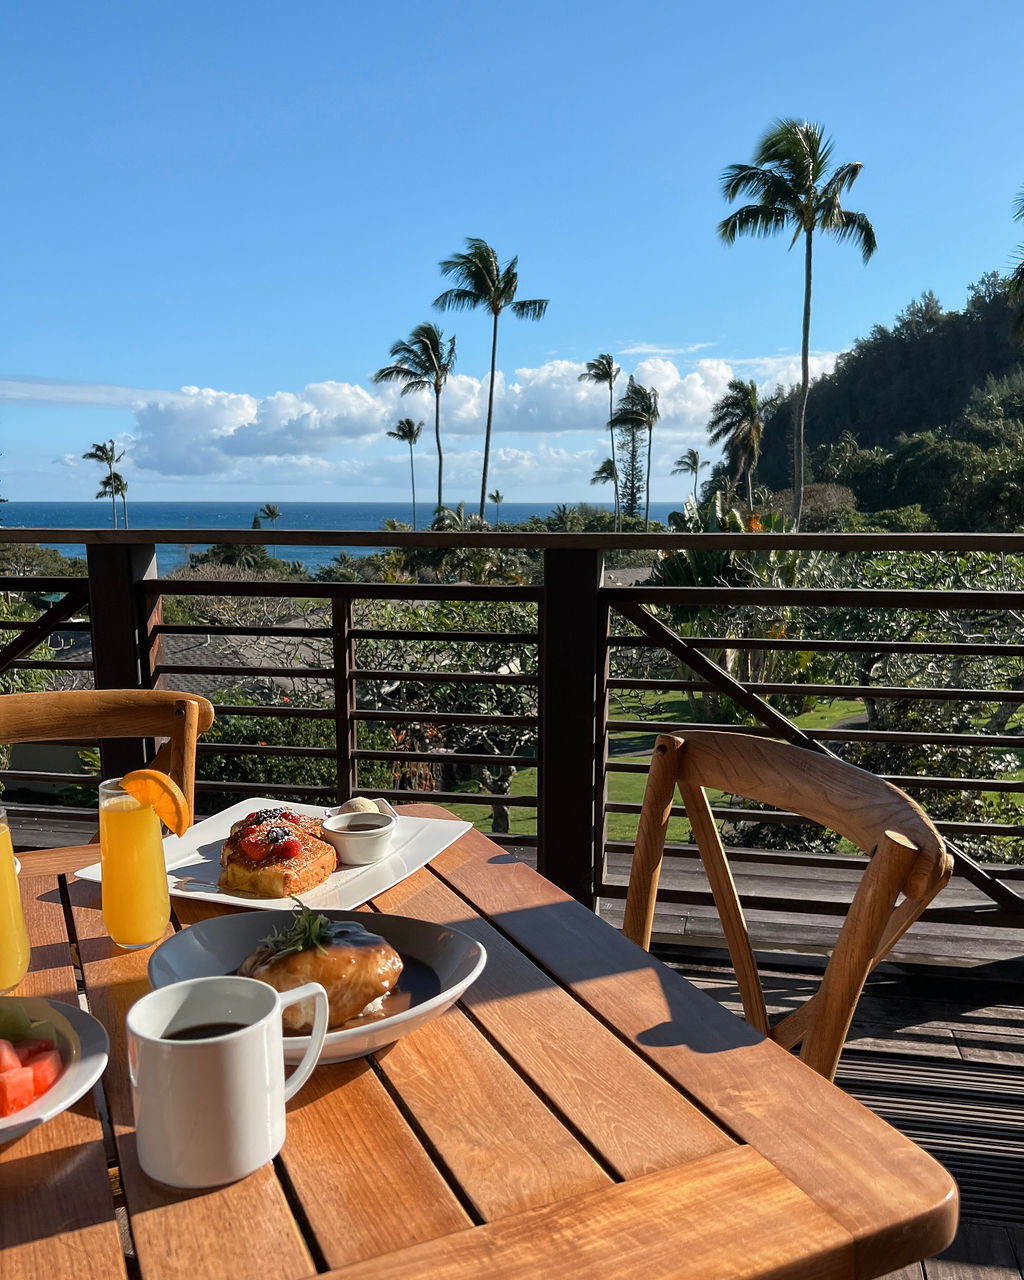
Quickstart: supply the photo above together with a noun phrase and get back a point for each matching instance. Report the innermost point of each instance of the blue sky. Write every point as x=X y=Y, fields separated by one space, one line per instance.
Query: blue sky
x=218 y=217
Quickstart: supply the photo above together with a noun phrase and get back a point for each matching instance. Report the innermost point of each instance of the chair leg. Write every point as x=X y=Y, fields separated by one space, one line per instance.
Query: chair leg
x=649 y=852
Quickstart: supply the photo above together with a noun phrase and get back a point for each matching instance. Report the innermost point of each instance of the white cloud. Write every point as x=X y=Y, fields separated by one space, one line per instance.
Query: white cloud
x=653 y=349
x=27 y=390
x=334 y=433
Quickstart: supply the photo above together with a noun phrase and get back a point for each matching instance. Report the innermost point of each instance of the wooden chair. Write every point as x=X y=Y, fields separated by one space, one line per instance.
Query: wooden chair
x=909 y=865
x=77 y=715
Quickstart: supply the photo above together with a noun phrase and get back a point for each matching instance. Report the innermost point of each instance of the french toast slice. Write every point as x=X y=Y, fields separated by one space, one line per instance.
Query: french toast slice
x=274 y=859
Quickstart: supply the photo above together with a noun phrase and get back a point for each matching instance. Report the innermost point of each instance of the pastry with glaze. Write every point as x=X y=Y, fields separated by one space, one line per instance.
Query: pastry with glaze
x=357 y=968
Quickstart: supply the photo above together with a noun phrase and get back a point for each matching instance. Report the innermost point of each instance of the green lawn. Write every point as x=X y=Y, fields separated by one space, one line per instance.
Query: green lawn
x=628 y=788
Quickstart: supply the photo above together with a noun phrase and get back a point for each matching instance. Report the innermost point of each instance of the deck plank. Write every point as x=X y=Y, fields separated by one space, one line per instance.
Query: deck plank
x=979 y=1252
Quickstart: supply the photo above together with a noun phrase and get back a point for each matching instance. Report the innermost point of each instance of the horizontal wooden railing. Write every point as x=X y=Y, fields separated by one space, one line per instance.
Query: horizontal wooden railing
x=588 y=648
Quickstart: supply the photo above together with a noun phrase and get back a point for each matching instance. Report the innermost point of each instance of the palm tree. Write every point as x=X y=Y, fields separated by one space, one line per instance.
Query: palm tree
x=604 y=370
x=114 y=486
x=408 y=432
x=423 y=362
x=108 y=455
x=638 y=407
x=793 y=189
x=689 y=463
x=497 y=497
x=1016 y=293
x=272 y=512
x=738 y=421
x=482 y=282
x=120 y=486
x=604 y=474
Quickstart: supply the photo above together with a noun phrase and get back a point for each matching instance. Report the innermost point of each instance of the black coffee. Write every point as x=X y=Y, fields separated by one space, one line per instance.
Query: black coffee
x=205 y=1031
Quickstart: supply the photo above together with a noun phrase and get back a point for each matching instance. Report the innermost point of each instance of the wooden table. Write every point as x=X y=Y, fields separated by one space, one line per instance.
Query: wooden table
x=583 y=1112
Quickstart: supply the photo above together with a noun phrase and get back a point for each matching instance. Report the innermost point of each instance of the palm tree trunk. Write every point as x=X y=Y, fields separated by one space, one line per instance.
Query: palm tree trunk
x=440 y=457
x=750 y=489
x=113 y=494
x=490 y=414
x=124 y=508
x=615 y=467
x=805 y=384
x=412 y=474
x=647 y=496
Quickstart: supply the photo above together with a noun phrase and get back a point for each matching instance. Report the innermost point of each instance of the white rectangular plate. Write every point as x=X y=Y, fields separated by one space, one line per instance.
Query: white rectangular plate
x=196 y=855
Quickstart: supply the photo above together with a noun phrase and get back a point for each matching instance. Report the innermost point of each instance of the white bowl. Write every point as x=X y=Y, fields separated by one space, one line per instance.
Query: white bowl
x=359 y=838
x=440 y=964
x=83 y=1046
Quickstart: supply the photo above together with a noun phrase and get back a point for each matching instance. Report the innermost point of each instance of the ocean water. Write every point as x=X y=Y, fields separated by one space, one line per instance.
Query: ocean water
x=348 y=516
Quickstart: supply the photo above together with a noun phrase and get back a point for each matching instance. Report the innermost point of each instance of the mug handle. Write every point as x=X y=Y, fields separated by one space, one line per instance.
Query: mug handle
x=316 y=1039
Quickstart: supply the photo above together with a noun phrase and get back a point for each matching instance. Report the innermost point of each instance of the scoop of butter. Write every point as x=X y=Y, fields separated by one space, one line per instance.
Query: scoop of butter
x=359 y=804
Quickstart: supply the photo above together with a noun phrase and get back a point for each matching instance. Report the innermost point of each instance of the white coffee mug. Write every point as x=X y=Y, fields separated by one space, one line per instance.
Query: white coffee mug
x=206 y=1063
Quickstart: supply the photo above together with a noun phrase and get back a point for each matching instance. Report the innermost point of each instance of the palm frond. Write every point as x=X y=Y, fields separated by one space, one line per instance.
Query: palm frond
x=530 y=309
x=392 y=373
x=856 y=227
x=744 y=179
x=753 y=220
x=843 y=178
x=458 y=300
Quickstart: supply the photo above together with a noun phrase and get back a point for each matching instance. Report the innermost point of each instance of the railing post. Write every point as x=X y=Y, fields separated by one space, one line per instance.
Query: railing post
x=345 y=725
x=119 y=618
x=570 y=644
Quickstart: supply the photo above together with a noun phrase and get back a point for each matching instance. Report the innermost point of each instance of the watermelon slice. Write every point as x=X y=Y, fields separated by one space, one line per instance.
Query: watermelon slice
x=31 y=1047
x=45 y=1068
x=17 y=1090
x=9 y=1059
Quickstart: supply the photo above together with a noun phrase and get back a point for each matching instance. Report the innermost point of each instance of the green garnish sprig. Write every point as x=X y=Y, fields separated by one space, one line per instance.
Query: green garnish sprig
x=307 y=931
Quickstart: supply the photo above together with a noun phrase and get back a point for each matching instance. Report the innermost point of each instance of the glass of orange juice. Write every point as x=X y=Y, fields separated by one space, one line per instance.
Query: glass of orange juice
x=14 y=949
x=136 y=906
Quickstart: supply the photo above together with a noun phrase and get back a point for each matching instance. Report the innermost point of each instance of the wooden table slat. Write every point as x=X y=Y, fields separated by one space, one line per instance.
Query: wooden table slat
x=749 y=1213
x=338 y=1125
x=508 y=1151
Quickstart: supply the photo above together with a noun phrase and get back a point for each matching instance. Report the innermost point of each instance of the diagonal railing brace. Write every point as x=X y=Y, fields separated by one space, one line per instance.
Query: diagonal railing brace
x=25 y=641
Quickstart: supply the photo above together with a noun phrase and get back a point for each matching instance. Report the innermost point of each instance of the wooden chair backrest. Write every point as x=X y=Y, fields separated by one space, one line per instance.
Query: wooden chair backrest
x=87 y=714
x=909 y=865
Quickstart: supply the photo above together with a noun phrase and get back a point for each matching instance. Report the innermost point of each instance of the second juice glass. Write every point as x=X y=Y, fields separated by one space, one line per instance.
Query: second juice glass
x=14 y=949
x=136 y=905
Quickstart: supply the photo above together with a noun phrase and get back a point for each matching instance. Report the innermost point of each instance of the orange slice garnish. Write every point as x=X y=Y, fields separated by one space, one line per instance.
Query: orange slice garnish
x=150 y=786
